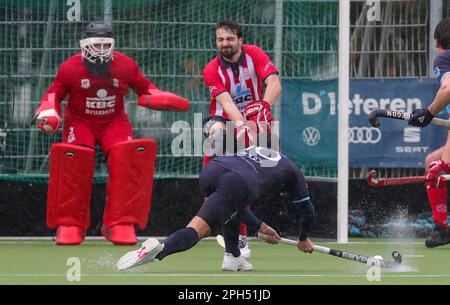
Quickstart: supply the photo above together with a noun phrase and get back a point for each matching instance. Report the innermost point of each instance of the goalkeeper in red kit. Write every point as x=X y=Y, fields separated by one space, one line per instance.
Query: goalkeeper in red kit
x=244 y=85
x=96 y=81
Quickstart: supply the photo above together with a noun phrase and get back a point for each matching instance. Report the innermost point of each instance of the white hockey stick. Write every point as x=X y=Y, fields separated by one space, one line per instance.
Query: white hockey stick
x=368 y=260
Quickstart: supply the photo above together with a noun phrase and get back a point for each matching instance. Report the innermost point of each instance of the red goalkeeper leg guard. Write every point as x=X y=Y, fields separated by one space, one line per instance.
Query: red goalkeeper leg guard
x=69 y=191
x=437 y=195
x=131 y=167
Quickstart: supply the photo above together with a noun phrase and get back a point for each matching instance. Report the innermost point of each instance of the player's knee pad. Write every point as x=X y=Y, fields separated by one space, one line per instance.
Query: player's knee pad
x=70 y=184
x=131 y=167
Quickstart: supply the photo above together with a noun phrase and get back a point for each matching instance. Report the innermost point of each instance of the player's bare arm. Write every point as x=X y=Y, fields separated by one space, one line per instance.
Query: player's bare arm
x=230 y=108
x=244 y=132
x=442 y=97
x=422 y=116
x=273 y=89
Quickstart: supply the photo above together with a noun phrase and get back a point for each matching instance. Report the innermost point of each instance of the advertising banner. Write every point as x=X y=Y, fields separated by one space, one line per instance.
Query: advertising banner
x=309 y=122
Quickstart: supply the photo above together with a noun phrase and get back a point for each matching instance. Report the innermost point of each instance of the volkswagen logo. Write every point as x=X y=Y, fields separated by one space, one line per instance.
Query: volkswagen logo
x=364 y=135
x=311 y=136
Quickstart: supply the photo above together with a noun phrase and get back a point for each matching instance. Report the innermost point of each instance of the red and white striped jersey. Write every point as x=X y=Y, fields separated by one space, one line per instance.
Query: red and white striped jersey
x=243 y=80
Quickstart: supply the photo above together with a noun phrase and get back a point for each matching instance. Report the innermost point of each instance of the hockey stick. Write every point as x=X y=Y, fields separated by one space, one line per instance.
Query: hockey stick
x=374 y=181
x=35 y=120
x=368 y=260
x=399 y=115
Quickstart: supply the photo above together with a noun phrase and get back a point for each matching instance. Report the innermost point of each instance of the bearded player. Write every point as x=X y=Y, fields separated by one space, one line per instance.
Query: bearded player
x=244 y=85
x=96 y=81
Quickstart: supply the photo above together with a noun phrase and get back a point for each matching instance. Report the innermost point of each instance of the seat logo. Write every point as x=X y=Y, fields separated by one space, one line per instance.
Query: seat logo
x=411 y=134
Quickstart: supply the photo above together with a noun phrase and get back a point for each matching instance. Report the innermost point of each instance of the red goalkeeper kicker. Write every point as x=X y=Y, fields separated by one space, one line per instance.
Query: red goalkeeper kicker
x=374 y=181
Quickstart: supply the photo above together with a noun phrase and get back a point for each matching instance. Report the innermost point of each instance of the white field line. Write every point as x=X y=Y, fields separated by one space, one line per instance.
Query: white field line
x=137 y=275
x=8 y=239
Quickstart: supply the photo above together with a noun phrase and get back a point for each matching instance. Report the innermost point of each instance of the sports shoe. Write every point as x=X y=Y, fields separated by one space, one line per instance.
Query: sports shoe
x=244 y=247
x=120 y=234
x=144 y=255
x=69 y=235
x=438 y=237
x=220 y=240
x=231 y=263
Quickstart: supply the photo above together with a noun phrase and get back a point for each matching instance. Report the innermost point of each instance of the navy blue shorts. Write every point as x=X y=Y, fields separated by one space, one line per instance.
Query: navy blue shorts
x=227 y=195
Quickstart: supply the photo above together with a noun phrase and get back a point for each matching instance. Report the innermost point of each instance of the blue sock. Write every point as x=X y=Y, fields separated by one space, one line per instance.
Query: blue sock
x=179 y=241
x=231 y=237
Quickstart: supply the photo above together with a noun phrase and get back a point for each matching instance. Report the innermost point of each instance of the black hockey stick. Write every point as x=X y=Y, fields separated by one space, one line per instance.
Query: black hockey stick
x=399 y=115
x=35 y=120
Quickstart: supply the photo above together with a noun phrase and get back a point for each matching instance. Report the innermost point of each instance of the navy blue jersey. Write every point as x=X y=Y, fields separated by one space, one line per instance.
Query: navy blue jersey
x=442 y=65
x=263 y=170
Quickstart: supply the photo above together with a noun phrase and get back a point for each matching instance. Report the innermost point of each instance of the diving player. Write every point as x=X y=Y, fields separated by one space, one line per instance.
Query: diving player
x=232 y=182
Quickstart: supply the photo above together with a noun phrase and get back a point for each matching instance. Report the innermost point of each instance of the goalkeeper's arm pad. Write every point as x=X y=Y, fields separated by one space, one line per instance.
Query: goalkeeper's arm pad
x=163 y=101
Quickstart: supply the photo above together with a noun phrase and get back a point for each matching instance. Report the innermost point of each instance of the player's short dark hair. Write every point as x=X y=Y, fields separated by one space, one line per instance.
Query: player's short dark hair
x=230 y=26
x=442 y=33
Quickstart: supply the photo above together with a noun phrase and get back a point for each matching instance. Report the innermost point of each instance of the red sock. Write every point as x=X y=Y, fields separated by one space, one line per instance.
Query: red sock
x=243 y=229
x=438 y=201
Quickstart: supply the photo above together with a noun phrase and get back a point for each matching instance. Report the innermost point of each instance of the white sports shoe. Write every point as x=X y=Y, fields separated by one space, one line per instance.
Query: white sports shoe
x=231 y=263
x=220 y=240
x=146 y=254
x=244 y=247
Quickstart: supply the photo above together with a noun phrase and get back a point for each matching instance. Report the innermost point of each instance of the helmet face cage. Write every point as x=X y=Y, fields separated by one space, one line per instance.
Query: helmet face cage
x=97 y=49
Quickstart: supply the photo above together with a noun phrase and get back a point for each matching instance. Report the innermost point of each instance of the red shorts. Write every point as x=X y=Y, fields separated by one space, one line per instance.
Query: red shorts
x=81 y=132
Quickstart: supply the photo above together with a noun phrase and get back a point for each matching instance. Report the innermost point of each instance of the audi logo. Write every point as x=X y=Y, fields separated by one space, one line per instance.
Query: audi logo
x=364 y=135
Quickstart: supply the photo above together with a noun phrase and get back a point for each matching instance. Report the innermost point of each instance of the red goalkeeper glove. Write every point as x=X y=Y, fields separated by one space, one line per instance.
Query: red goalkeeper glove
x=163 y=101
x=259 y=112
x=47 y=116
